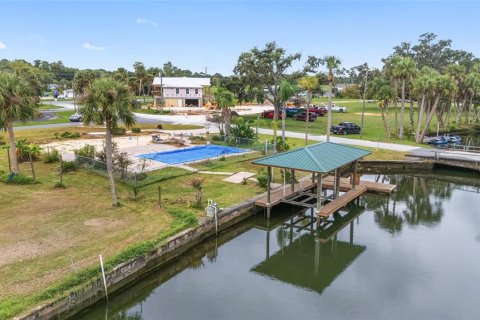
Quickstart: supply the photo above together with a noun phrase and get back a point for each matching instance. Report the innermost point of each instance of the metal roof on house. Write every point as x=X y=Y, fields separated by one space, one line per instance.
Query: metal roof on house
x=181 y=82
x=322 y=157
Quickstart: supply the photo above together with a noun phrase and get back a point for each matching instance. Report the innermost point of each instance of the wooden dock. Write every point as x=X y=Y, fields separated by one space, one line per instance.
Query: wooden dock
x=302 y=195
x=372 y=187
x=341 y=201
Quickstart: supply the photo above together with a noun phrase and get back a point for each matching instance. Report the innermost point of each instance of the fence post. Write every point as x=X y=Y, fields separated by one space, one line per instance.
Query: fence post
x=159 y=196
x=61 y=169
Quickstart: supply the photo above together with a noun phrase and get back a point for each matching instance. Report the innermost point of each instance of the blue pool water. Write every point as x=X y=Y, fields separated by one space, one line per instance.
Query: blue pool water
x=191 y=154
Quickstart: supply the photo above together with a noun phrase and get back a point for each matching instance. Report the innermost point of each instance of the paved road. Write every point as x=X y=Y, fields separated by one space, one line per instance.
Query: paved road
x=200 y=120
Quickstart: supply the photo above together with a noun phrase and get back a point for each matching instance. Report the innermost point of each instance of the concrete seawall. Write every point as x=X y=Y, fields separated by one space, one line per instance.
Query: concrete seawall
x=394 y=166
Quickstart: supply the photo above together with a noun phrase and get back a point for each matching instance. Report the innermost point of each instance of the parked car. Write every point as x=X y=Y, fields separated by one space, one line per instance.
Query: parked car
x=335 y=108
x=302 y=116
x=319 y=111
x=345 y=128
x=290 y=112
x=268 y=114
x=76 y=117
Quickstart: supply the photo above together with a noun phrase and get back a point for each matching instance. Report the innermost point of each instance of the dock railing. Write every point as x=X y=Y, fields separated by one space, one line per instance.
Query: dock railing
x=460 y=147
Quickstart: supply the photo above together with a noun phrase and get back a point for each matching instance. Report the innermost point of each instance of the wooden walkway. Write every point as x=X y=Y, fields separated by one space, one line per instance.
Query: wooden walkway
x=341 y=201
x=372 y=187
x=277 y=195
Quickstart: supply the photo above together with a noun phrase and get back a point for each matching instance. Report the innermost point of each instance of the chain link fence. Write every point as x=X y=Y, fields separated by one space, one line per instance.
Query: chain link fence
x=263 y=147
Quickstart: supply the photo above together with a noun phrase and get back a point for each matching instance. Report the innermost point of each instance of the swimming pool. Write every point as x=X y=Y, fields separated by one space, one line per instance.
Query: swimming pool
x=191 y=154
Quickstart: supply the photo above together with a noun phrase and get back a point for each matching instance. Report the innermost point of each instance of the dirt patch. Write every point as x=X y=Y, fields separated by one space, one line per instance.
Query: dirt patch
x=103 y=223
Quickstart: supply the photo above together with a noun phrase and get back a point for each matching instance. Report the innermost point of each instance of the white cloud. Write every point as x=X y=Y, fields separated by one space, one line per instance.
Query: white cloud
x=89 y=46
x=2 y=45
x=146 y=21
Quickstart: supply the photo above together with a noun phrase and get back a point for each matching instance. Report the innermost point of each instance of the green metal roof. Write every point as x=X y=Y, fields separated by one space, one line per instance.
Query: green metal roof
x=322 y=157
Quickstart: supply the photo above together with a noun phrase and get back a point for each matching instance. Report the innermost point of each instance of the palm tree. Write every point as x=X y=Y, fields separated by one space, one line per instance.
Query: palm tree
x=108 y=101
x=308 y=83
x=383 y=92
x=405 y=71
x=391 y=72
x=225 y=100
x=286 y=92
x=17 y=102
x=333 y=63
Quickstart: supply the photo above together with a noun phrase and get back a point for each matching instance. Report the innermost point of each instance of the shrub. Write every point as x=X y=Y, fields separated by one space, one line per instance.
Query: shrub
x=69 y=166
x=280 y=145
x=198 y=139
x=217 y=138
x=70 y=135
x=87 y=151
x=222 y=158
x=159 y=126
x=136 y=130
x=59 y=185
x=136 y=190
x=196 y=182
x=18 y=179
x=184 y=216
x=2 y=141
x=51 y=156
x=262 y=179
x=24 y=149
x=409 y=133
x=452 y=127
x=119 y=131
x=242 y=129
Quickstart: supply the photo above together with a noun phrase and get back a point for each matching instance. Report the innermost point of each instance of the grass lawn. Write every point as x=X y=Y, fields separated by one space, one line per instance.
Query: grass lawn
x=49 y=234
x=373 y=125
x=49 y=107
x=60 y=117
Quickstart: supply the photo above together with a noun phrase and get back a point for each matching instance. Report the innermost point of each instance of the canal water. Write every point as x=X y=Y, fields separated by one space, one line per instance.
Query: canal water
x=414 y=255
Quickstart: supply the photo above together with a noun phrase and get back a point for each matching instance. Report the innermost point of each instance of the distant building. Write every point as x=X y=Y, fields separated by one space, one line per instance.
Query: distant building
x=341 y=86
x=52 y=86
x=68 y=93
x=181 y=91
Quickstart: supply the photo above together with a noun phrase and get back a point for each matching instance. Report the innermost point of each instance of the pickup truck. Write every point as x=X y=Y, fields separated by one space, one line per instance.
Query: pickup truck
x=335 y=108
x=302 y=116
x=345 y=128
x=268 y=114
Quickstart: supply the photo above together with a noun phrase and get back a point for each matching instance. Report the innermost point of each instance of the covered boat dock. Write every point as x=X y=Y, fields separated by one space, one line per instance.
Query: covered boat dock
x=328 y=163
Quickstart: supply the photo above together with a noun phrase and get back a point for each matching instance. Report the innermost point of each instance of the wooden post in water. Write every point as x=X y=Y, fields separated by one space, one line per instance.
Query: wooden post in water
x=319 y=192
x=351 y=233
x=292 y=181
x=269 y=180
x=337 y=184
x=354 y=175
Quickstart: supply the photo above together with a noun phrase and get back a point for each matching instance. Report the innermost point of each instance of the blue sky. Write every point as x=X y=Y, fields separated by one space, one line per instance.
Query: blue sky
x=195 y=35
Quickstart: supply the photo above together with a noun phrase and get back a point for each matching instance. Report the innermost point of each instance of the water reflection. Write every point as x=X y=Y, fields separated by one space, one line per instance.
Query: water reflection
x=286 y=268
x=418 y=201
x=310 y=258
